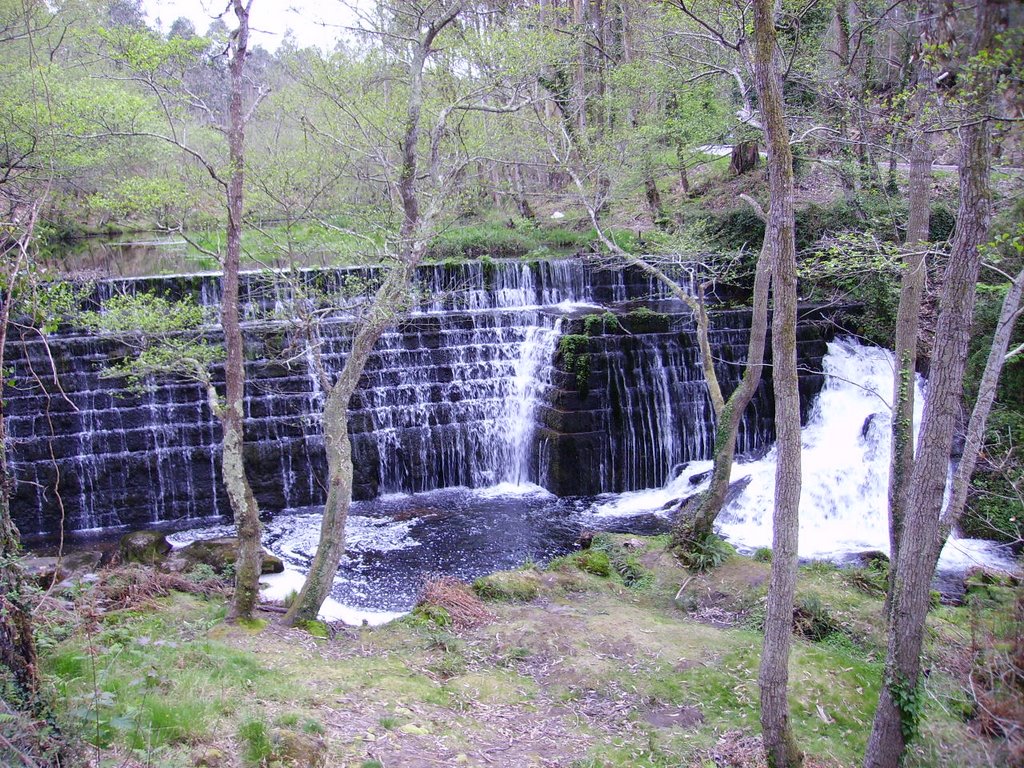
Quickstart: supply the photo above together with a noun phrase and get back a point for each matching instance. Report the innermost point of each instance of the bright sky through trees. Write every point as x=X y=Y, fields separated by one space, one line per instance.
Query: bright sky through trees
x=312 y=22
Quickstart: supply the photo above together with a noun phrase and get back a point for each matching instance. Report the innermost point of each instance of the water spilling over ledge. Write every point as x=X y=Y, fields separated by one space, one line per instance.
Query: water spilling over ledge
x=397 y=541
x=472 y=389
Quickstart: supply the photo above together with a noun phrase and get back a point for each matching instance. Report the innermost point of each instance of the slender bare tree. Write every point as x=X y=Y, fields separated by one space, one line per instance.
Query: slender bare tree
x=925 y=526
x=390 y=300
x=766 y=62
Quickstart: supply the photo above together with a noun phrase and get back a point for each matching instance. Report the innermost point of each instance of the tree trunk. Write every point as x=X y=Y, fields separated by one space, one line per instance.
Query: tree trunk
x=243 y=503
x=694 y=526
x=17 y=642
x=653 y=198
x=391 y=299
x=898 y=704
x=745 y=156
x=912 y=283
x=1008 y=316
x=519 y=189
x=338 y=445
x=779 y=741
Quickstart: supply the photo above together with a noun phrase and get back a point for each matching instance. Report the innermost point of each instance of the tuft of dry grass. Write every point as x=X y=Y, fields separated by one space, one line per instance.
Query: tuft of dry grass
x=997 y=679
x=465 y=609
x=739 y=749
x=136 y=586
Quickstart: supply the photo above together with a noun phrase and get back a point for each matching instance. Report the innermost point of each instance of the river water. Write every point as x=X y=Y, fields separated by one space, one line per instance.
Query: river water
x=397 y=541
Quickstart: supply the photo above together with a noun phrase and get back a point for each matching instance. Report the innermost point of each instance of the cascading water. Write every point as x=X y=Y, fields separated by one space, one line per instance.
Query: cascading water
x=845 y=468
x=449 y=397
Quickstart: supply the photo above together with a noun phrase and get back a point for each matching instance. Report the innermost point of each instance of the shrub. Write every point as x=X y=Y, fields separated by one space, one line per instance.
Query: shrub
x=704 y=553
x=812 y=619
x=594 y=561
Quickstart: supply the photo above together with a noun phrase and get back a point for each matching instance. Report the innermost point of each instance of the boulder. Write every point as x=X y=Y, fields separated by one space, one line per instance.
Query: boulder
x=298 y=750
x=43 y=570
x=989 y=584
x=220 y=554
x=146 y=547
x=85 y=561
x=700 y=477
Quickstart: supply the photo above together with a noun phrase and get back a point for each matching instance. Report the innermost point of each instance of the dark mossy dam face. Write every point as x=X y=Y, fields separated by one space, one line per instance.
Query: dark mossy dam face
x=581 y=381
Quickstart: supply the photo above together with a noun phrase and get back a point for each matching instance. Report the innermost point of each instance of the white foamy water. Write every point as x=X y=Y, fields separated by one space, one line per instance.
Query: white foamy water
x=845 y=468
x=279 y=586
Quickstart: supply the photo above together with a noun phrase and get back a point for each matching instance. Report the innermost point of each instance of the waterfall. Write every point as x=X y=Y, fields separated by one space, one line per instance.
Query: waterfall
x=467 y=391
x=845 y=461
x=845 y=468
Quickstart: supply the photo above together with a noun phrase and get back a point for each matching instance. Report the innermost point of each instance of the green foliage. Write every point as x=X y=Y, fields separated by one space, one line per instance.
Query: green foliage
x=46 y=303
x=909 y=701
x=762 y=555
x=146 y=52
x=163 y=337
x=315 y=628
x=594 y=561
x=505 y=239
x=813 y=620
x=575 y=353
x=255 y=738
x=941 y=223
x=508 y=586
x=704 y=553
x=142 y=197
x=147 y=680
x=426 y=613
x=201 y=573
x=857 y=268
x=872 y=579
x=496 y=241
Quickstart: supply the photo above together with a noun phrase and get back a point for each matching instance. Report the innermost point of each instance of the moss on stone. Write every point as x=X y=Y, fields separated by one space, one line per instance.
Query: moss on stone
x=575 y=351
x=146 y=547
x=646 y=320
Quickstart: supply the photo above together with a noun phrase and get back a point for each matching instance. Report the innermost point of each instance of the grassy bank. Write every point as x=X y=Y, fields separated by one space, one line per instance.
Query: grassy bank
x=611 y=657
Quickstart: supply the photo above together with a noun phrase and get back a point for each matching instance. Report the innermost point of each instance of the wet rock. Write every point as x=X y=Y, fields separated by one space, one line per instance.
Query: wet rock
x=43 y=570
x=421 y=513
x=736 y=488
x=586 y=539
x=700 y=477
x=869 y=422
x=146 y=547
x=755 y=455
x=219 y=554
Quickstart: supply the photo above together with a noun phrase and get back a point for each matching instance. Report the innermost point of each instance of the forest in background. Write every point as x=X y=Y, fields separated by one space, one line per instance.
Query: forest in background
x=621 y=110
x=529 y=130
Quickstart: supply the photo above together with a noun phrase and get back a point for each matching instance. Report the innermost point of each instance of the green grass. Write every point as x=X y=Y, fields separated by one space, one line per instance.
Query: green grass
x=174 y=681
x=148 y=680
